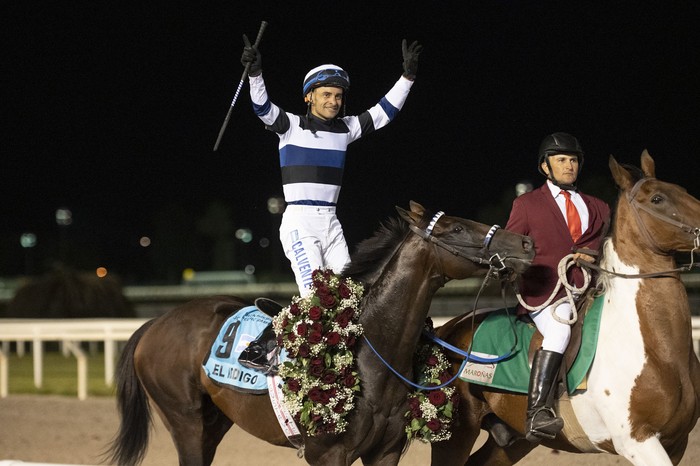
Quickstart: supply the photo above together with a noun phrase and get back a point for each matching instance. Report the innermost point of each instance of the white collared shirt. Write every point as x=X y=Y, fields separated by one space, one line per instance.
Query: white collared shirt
x=575 y=198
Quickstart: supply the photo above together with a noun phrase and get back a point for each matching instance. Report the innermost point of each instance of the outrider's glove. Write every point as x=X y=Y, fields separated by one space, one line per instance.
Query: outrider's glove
x=410 y=59
x=251 y=57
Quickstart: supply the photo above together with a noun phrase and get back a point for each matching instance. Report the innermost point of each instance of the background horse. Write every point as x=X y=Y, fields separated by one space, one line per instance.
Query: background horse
x=641 y=399
x=401 y=266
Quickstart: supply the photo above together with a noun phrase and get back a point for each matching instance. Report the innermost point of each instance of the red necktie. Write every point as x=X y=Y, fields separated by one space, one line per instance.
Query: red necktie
x=572 y=218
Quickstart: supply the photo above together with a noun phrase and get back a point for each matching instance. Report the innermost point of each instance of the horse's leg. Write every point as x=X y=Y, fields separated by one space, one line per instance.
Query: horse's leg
x=170 y=378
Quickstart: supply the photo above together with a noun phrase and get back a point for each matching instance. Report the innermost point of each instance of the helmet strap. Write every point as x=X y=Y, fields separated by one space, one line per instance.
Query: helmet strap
x=550 y=177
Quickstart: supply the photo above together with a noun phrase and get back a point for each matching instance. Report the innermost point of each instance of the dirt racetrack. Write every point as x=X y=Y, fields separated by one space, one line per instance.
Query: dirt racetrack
x=53 y=429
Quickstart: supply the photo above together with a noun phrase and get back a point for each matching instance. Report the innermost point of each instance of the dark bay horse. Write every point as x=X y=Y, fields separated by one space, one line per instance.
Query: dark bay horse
x=643 y=389
x=401 y=267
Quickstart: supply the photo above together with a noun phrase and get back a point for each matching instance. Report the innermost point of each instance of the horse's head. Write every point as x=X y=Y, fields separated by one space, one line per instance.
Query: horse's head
x=666 y=217
x=464 y=246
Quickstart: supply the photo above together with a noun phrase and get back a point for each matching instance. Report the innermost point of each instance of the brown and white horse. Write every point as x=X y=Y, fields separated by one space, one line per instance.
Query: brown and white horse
x=643 y=388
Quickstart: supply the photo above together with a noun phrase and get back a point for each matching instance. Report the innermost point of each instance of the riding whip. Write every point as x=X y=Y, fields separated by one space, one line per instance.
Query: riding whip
x=263 y=25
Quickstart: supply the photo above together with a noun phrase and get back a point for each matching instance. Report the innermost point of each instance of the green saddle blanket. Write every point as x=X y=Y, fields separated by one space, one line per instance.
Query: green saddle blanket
x=496 y=336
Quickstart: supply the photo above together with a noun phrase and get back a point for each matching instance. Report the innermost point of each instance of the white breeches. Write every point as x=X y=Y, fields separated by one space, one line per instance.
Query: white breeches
x=556 y=334
x=312 y=237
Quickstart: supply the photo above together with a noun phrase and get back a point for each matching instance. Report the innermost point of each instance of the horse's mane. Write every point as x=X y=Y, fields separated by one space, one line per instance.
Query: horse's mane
x=371 y=254
x=603 y=279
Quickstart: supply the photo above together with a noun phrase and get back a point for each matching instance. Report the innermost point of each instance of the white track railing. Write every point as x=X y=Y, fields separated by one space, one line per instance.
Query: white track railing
x=72 y=332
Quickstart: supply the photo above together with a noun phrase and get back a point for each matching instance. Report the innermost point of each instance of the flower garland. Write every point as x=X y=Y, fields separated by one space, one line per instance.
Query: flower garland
x=319 y=331
x=431 y=412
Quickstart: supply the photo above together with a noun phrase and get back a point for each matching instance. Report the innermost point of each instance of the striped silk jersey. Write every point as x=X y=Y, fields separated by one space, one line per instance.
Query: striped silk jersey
x=312 y=150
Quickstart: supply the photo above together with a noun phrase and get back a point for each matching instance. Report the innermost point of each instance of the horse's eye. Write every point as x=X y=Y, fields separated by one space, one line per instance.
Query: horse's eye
x=457 y=228
x=657 y=199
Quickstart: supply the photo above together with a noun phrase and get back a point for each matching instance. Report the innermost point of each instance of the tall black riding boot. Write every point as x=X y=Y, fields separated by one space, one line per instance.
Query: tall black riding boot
x=268 y=306
x=255 y=355
x=542 y=422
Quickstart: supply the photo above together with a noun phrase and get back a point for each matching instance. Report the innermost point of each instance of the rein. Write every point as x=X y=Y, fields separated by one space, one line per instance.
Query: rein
x=566 y=262
x=496 y=268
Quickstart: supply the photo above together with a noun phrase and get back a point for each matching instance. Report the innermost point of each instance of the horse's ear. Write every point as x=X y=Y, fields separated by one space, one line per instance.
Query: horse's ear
x=412 y=217
x=417 y=208
x=623 y=178
x=648 y=166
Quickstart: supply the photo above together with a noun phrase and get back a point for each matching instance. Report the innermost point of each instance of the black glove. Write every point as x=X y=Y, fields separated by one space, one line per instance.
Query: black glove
x=410 y=59
x=251 y=57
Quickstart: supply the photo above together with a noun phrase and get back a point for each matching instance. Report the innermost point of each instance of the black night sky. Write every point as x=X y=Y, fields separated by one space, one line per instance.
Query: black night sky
x=112 y=110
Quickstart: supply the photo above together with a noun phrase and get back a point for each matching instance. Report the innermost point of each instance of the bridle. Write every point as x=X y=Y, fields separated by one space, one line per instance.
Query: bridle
x=636 y=207
x=497 y=269
x=495 y=261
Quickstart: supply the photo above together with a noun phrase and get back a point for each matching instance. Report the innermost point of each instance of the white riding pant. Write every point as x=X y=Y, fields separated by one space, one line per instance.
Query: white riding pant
x=312 y=237
x=556 y=335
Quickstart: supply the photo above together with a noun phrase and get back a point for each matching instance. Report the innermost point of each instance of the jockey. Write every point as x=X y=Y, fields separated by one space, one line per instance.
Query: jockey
x=312 y=151
x=560 y=219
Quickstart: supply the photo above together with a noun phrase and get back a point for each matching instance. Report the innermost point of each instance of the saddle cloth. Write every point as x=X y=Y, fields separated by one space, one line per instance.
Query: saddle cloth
x=496 y=336
x=221 y=362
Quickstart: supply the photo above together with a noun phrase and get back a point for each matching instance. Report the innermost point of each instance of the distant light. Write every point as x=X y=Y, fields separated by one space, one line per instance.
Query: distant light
x=101 y=272
x=244 y=234
x=27 y=240
x=249 y=269
x=522 y=188
x=188 y=274
x=64 y=217
x=145 y=241
x=275 y=205
x=264 y=242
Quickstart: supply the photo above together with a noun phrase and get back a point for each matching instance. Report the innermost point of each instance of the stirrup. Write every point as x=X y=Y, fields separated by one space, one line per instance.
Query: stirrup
x=547 y=431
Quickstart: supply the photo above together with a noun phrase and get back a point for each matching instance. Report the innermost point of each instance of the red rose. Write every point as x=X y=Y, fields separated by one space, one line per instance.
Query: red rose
x=315 y=394
x=315 y=337
x=315 y=313
x=350 y=342
x=342 y=320
x=332 y=338
x=329 y=377
x=344 y=290
x=349 y=381
x=339 y=406
x=304 y=350
x=294 y=309
x=316 y=371
x=432 y=361
x=444 y=377
x=317 y=361
x=437 y=397
x=293 y=385
x=327 y=300
x=317 y=327
x=434 y=425
x=349 y=313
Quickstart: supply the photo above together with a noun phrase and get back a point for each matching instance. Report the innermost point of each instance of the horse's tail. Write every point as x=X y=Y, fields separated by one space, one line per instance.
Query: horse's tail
x=130 y=442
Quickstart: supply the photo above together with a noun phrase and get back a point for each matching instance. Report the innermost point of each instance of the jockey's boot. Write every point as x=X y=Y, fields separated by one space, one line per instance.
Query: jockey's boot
x=268 y=306
x=503 y=434
x=255 y=356
x=542 y=422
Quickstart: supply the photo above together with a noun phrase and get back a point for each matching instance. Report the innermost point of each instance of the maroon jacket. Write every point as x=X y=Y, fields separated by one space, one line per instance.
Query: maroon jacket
x=537 y=215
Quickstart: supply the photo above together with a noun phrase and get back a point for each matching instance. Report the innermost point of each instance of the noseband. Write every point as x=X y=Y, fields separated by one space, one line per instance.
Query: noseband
x=636 y=207
x=495 y=262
